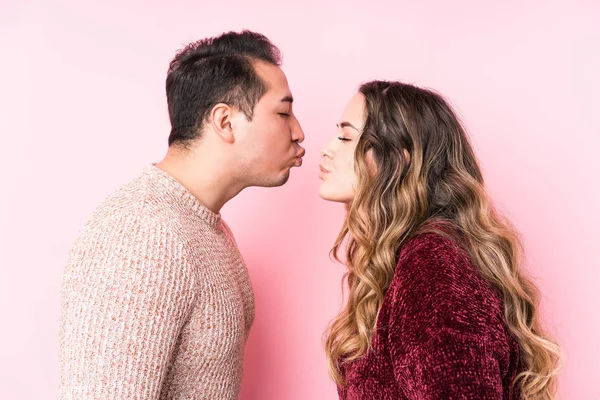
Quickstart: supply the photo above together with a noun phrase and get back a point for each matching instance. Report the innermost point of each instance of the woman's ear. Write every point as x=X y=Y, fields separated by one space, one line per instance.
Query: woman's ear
x=371 y=164
x=406 y=157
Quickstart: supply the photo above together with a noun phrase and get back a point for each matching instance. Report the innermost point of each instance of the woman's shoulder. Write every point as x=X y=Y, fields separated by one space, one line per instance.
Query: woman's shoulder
x=432 y=250
x=435 y=276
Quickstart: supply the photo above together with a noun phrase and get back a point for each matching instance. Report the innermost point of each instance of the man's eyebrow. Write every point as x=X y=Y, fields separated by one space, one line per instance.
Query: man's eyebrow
x=287 y=99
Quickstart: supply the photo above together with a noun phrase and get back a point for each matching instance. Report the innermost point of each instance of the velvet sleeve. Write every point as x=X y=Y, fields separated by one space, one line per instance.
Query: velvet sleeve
x=442 y=332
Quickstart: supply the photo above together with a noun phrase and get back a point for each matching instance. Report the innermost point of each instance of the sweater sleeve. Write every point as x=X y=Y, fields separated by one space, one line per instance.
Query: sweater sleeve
x=442 y=329
x=126 y=293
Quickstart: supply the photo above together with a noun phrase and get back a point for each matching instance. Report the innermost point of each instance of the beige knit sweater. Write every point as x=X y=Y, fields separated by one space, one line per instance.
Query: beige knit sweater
x=156 y=301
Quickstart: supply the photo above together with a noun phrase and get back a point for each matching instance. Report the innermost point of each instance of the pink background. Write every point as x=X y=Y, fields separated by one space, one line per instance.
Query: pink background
x=82 y=109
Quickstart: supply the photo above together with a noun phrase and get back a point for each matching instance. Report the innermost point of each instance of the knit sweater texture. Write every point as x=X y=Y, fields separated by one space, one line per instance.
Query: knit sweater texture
x=440 y=334
x=156 y=301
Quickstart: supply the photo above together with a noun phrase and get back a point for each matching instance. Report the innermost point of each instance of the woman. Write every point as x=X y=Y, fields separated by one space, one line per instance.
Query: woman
x=437 y=306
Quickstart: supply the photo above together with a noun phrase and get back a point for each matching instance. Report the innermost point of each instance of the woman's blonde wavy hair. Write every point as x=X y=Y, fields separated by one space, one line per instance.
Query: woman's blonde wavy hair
x=426 y=171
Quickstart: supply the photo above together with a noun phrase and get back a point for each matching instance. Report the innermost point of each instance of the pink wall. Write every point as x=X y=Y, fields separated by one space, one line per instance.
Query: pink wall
x=82 y=109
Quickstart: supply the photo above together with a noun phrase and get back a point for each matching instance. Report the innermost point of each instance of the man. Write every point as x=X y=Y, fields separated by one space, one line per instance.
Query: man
x=156 y=302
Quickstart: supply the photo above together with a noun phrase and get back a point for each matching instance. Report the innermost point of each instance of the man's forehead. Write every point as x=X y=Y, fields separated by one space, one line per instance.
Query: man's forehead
x=279 y=94
x=272 y=74
x=276 y=81
x=269 y=71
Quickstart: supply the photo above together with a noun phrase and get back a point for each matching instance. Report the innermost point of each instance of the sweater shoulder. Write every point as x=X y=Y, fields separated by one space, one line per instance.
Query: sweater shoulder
x=141 y=201
x=132 y=221
x=428 y=244
x=433 y=257
x=436 y=282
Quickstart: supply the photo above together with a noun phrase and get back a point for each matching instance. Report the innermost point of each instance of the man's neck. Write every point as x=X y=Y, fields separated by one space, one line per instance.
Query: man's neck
x=203 y=176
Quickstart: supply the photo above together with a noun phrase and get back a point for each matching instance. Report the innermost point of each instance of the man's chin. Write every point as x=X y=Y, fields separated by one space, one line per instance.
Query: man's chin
x=282 y=179
x=274 y=181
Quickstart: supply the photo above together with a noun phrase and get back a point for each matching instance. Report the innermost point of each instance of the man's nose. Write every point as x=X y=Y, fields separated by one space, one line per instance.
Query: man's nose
x=297 y=132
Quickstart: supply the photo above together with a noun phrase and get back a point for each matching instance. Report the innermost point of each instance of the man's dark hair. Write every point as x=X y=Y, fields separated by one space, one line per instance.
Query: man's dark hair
x=215 y=70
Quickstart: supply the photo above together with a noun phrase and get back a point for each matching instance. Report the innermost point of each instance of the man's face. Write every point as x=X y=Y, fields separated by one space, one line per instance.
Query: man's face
x=270 y=144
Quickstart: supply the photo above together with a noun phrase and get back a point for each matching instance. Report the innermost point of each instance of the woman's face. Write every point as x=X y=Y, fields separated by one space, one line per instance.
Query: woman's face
x=337 y=169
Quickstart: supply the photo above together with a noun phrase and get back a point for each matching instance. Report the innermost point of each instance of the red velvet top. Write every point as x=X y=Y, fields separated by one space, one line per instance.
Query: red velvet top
x=440 y=334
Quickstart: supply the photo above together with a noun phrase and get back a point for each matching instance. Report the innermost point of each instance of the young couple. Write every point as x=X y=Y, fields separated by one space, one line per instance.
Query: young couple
x=156 y=301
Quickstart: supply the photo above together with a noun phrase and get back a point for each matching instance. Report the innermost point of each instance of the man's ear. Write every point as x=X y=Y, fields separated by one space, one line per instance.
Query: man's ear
x=221 y=120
